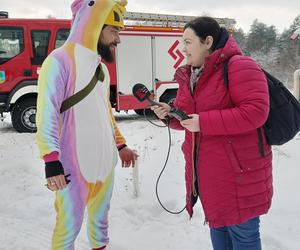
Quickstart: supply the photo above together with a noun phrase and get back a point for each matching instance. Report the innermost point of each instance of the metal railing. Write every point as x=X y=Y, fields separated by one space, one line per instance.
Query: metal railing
x=166 y=20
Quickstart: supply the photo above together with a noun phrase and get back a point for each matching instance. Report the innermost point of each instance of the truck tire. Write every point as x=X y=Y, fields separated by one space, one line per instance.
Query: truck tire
x=23 y=116
x=169 y=96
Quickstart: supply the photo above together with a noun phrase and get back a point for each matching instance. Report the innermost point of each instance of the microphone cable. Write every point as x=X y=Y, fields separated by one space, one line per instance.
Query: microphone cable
x=165 y=164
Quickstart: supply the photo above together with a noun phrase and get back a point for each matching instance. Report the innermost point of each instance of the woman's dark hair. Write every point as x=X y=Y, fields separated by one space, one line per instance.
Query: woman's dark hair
x=205 y=26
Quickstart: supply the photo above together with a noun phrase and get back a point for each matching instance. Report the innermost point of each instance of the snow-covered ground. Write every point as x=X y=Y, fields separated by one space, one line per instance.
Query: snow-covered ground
x=136 y=223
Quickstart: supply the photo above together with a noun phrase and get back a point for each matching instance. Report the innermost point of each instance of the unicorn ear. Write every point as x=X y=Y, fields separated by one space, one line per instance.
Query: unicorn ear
x=76 y=5
x=121 y=2
x=115 y=17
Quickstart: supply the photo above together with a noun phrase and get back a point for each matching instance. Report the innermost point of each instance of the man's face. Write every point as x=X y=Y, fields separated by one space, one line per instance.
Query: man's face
x=108 y=40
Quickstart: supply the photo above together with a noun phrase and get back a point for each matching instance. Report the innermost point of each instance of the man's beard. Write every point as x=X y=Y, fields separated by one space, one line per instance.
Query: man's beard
x=105 y=52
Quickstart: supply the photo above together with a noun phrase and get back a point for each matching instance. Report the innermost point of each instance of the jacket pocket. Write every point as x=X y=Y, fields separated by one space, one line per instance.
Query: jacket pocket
x=232 y=156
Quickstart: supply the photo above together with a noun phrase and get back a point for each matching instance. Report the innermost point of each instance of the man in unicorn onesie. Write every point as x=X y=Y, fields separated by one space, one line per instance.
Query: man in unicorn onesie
x=80 y=146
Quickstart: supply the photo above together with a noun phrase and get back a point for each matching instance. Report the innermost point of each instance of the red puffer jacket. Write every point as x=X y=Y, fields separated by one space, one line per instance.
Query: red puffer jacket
x=234 y=181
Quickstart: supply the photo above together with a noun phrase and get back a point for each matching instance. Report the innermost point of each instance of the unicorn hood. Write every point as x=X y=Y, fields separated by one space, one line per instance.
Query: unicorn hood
x=89 y=17
x=67 y=70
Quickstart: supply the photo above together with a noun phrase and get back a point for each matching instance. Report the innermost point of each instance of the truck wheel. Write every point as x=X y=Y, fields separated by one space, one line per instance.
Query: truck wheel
x=23 y=116
x=169 y=96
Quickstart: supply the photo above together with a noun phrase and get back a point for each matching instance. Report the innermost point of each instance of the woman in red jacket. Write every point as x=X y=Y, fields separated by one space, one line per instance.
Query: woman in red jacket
x=224 y=164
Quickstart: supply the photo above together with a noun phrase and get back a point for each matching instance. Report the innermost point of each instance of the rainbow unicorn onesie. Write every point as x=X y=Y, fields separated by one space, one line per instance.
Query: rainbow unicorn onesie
x=83 y=138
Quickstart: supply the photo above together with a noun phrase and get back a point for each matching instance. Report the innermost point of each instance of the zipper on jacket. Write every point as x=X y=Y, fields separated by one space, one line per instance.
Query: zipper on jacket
x=234 y=159
x=196 y=147
x=195 y=193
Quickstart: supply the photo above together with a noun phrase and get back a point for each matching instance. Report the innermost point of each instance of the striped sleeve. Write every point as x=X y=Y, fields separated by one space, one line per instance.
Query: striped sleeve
x=118 y=136
x=50 y=96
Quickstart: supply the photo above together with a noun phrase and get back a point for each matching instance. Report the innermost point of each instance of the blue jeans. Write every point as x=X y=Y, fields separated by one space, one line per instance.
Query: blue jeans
x=244 y=236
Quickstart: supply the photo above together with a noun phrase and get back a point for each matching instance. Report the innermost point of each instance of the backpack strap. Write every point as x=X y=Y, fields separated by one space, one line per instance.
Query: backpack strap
x=80 y=95
x=259 y=130
x=225 y=73
x=260 y=142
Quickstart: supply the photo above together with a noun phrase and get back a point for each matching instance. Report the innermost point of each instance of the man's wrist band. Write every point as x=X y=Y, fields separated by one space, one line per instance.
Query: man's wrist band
x=121 y=147
x=53 y=168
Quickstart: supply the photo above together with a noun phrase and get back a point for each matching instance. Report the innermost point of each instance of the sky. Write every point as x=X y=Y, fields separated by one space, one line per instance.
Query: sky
x=271 y=12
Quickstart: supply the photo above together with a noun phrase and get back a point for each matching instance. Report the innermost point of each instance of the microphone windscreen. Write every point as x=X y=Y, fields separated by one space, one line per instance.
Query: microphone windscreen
x=140 y=92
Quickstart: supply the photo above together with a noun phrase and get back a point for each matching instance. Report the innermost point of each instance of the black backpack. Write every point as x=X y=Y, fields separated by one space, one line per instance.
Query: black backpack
x=283 y=122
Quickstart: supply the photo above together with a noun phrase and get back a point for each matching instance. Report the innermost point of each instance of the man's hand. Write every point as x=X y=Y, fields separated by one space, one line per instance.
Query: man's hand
x=56 y=178
x=128 y=157
x=191 y=124
x=56 y=183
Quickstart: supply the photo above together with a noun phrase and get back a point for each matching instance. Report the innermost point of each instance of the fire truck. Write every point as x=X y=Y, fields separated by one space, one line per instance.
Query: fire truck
x=149 y=53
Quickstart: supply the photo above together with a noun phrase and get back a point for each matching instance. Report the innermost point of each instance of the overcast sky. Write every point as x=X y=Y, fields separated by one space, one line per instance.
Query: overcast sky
x=279 y=13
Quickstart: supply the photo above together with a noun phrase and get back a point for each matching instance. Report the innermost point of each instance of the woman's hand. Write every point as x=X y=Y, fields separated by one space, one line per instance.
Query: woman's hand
x=162 y=110
x=191 y=124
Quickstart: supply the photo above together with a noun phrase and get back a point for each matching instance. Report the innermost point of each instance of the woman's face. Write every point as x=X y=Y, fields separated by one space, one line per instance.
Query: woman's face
x=194 y=49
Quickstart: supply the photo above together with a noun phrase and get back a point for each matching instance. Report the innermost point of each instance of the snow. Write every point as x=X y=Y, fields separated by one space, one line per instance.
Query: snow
x=136 y=223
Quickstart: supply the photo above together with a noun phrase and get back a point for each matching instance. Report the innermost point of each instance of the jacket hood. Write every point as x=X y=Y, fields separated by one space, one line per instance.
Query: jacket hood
x=225 y=48
x=89 y=16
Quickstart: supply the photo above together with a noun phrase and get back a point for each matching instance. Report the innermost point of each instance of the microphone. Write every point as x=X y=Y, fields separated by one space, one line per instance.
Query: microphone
x=141 y=93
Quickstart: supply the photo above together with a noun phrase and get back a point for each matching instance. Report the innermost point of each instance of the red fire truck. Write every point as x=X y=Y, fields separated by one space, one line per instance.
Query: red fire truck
x=149 y=53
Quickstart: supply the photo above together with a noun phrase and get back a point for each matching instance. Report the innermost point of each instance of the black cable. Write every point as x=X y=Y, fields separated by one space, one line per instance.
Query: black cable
x=157 y=125
x=163 y=169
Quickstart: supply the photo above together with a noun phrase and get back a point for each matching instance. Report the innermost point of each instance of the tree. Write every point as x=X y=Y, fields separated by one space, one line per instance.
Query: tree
x=261 y=37
x=289 y=56
x=241 y=39
x=296 y=23
x=270 y=38
x=275 y=53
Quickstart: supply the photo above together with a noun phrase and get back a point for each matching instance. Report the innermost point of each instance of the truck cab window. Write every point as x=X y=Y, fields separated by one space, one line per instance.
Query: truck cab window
x=11 y=42
x=61 y=37
x=40 y=43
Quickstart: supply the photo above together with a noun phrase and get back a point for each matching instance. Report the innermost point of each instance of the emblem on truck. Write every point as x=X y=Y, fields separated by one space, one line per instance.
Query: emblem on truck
x=176 y=54
x=2 y=77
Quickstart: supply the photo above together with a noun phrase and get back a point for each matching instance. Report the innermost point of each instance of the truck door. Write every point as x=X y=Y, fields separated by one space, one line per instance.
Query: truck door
x=23 y=112
x=61 y=37
x=168 y=57
x=13 y=58
x=134 y=65
x=40 y=45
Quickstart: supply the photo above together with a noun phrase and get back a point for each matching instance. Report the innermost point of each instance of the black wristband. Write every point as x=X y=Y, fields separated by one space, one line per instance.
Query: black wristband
x=53 y=168
x=121 y=147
